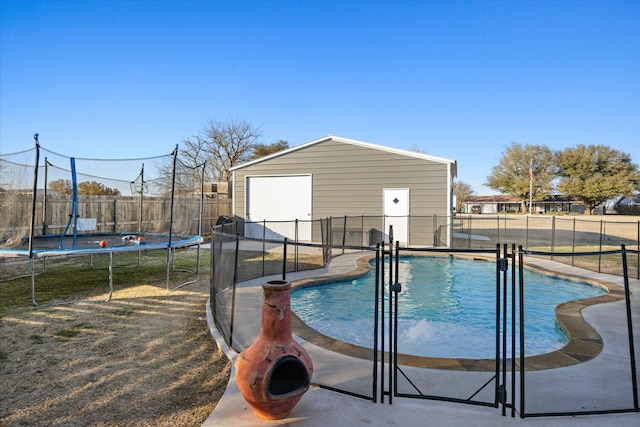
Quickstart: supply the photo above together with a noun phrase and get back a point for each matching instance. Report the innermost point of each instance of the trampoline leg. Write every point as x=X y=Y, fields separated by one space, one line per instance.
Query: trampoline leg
x=110 y=276
x=33 y=286
x=33 y=282
x=196 y=273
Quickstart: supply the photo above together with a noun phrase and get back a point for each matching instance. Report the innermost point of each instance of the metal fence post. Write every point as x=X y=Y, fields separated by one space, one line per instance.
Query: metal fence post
x=553 y=235
x=264 y=244
x=344 y=233
x=600 y=247
x=233 y=294
x=212 y=274
x=436 y=239
x=295 y=248
x=325 y=243
x=506 y=232
x=573 y=242
x=284 y=260
x=632 y=353
x=526 y=231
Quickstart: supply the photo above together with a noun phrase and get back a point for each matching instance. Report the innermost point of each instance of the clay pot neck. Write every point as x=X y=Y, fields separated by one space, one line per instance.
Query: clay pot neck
x=276 y=314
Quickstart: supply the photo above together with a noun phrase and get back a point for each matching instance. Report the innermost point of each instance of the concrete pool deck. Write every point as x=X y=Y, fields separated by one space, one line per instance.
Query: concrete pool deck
x=321 y=407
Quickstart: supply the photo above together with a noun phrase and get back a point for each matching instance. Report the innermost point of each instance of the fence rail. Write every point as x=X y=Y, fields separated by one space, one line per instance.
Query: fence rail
x=549 y=234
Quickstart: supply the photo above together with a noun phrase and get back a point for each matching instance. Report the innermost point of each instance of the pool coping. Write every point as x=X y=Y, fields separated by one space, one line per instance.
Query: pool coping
x=584 y=344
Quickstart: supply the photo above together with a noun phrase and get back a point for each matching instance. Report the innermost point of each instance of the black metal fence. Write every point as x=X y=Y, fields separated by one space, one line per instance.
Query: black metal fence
x=613 y=371
x=587 y=239
x=512 y=382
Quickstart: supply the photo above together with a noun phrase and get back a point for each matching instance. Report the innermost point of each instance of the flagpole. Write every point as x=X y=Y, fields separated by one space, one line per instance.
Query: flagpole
x=530 y=185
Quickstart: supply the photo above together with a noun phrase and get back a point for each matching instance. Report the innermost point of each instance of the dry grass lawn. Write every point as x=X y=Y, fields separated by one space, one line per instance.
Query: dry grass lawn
x=144 y=359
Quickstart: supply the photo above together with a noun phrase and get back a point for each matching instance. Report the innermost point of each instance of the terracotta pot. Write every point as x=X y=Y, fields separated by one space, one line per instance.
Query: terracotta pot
x=275 y=371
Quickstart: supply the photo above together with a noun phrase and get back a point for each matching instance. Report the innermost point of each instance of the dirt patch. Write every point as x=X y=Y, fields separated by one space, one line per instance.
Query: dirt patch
x=144 y=359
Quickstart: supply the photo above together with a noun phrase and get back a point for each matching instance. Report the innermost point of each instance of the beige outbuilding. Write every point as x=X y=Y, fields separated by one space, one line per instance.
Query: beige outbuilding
x=373 y=186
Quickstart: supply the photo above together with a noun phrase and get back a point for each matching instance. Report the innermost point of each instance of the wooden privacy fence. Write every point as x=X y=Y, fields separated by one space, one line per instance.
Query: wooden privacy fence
x=119 y=214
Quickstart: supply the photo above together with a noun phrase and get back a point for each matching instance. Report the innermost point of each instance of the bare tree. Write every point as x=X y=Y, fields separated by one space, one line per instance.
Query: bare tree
x=190 y=167
x=2 y=173
x=222 y=145
x=417 y=149
x=228 y=144
x=194 y=154
x=462 y=191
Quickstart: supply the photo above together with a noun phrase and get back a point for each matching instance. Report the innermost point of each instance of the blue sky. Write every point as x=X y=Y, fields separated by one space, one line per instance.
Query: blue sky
x=456 y=79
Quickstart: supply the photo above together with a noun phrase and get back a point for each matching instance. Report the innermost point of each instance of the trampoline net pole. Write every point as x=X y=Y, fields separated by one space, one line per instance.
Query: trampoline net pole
x=35 y=191
x=173 y=190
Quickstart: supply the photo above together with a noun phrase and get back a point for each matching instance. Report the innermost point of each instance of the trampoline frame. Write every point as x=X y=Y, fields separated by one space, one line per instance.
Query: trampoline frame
x=44 y=254
x=170 y=244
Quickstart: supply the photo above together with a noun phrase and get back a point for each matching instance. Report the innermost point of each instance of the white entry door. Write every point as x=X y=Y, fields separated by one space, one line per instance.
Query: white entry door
x=278 y=198
x=396 y=213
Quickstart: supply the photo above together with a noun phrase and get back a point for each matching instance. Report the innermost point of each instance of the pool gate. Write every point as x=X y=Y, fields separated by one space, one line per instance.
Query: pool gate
x=469 y=381
x=502 y=382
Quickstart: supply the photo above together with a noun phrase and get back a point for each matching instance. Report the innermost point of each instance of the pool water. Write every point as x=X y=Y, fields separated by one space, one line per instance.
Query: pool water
x=447 y=308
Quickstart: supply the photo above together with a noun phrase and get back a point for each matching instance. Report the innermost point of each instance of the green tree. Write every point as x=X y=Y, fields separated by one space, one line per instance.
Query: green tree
x=511 y=174
x=61 y=186
x=462 y=191
x=595 y=173
x=85 y=188
x=261 y=150
x=93 y=188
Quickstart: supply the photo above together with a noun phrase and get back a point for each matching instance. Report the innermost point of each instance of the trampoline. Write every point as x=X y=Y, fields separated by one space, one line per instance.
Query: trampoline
x=54 y=245
x=86 y=214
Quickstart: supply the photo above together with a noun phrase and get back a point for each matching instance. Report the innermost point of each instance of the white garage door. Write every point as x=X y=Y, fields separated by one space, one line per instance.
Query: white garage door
x=278 y=198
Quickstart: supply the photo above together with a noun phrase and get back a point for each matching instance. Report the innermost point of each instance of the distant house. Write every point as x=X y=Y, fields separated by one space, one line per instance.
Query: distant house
x=558 y=204
x=501 y=203
x=493 y=204
x=623 y=205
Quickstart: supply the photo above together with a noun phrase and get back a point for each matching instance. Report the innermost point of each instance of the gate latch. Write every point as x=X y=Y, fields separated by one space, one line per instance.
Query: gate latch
x=502 y=394
x=504 y=264
x=396 y=287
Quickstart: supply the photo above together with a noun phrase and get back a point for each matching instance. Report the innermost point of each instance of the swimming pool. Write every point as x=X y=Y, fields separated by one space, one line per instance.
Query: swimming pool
x=446 y=308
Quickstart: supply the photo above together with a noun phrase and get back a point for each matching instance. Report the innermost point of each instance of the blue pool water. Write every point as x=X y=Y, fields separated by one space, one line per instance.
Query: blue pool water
x=447 y=308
